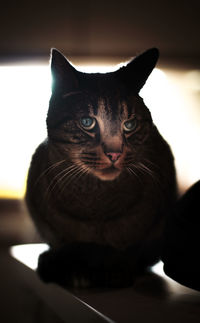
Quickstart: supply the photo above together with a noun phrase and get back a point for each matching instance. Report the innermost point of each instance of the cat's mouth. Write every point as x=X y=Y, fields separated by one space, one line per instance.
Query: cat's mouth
x=102 y=168
x=108 y=174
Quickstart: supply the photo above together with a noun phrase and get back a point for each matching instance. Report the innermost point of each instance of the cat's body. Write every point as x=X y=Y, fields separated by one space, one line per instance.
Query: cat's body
x=104 y=180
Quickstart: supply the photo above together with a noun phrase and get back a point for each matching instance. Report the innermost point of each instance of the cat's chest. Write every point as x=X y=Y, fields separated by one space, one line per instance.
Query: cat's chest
x=90 y=201
x=115 y=218
x=116 y=213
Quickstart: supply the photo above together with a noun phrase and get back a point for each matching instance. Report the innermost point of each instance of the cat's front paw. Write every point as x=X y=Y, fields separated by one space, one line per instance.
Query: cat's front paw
x=49 y=270
x=85 y=265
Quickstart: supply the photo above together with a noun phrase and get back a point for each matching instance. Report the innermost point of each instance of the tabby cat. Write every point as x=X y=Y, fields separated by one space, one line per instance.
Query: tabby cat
x=100 y=186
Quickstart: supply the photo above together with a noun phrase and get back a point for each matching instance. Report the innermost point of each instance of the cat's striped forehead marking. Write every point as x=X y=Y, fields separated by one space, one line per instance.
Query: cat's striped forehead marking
x=104 y=109
x=123 y=111
x=103 y=115
x=97 y=109
x=116 y=110
x=101 y=111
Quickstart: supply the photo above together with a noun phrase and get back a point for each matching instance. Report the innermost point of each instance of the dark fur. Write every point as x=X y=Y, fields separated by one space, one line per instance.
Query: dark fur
x=105 y=223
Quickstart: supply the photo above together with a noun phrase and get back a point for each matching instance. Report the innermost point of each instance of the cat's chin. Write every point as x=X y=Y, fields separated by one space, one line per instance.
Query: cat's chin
x=108 y=174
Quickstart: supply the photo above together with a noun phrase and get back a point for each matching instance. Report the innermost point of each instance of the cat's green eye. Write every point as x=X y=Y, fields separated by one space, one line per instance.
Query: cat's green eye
x=87 y=123
x=130 y=125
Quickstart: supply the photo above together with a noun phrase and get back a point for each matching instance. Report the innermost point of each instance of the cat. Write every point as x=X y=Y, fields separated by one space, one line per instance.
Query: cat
x=100 y=186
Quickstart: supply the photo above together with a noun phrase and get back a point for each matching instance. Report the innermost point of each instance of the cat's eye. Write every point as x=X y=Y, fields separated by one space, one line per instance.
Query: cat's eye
x=87 y=123
x=130 y=125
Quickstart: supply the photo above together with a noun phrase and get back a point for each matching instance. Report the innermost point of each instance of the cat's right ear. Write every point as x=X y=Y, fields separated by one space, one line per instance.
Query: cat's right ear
x=137 y=71
x=64 y=75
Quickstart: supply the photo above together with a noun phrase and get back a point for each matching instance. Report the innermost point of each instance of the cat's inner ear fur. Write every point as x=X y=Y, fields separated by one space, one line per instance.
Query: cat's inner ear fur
x=64 y=75
x=136 y=72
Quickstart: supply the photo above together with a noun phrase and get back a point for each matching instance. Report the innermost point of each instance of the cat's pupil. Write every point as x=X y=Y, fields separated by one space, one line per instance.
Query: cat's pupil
x=87 y=122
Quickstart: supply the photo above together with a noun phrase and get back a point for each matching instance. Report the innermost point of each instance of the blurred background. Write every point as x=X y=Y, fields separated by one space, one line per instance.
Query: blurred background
x=96 y=36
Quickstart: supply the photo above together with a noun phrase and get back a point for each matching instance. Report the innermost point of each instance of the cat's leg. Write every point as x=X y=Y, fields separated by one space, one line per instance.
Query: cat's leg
x=181 y=250
x=88 y=264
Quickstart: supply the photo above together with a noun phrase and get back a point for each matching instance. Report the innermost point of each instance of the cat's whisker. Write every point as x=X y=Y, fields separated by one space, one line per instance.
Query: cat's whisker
x=151 y=163
x=95 y=164
x=91 y=163
x=68 y=180
x=89 y=153
x=141 y=167
x=89 y=159
x=76 y=175
x=146 y=164
x=68 y=173
x=82 y=154
x=83 y=171
x=146 y=170
x=132 y=172
x=48 y=170
x=85 y=168
x=55 y=181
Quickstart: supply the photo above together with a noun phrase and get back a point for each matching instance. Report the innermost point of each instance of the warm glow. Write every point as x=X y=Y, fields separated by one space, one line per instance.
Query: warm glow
x=24 y=95
x=172 y=97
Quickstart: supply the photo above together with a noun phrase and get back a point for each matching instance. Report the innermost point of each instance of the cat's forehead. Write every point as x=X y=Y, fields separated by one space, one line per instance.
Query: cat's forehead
x=113 y=107
x=104 y=105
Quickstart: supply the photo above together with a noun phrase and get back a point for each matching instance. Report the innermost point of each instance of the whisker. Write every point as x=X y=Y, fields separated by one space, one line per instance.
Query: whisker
x=90 y=163
x=89 y=154
x=148 y=171
x=79 y=153
x=145 y=168
x=68 y=173
x=84 y=159
x=151 y=163
x=77 y=174
x=136 y=166
x=54 y=182
x=48 y=170
x=68 y=179
x=131 y=171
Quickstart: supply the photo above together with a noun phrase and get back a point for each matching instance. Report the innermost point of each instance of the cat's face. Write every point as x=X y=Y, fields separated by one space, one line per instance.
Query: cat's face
x=102 y=135
x=98 y=122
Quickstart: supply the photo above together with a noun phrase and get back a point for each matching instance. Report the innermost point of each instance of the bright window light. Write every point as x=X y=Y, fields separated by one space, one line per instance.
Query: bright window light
x=28 y=254
x=24 y=95
x=172 y=97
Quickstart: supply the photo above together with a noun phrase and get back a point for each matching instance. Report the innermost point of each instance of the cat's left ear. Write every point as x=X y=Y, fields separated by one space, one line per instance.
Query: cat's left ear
x=136 y=72
x=64 y=75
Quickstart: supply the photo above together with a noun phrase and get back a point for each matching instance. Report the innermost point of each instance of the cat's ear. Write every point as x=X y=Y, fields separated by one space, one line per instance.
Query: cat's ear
x=136 y=72
x=64 y=75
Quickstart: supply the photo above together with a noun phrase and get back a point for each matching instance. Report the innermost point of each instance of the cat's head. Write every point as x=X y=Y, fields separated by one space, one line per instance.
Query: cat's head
x=98 y=121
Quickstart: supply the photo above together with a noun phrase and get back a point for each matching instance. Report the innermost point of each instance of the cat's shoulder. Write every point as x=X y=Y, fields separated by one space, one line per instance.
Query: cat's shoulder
x=39 y=156
x=41 y=149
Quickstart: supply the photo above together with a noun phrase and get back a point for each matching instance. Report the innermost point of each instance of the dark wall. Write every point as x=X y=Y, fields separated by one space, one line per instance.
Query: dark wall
x=100 y=29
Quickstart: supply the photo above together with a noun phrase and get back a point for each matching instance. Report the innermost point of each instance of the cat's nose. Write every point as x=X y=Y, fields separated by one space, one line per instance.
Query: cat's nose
x=113 y=156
